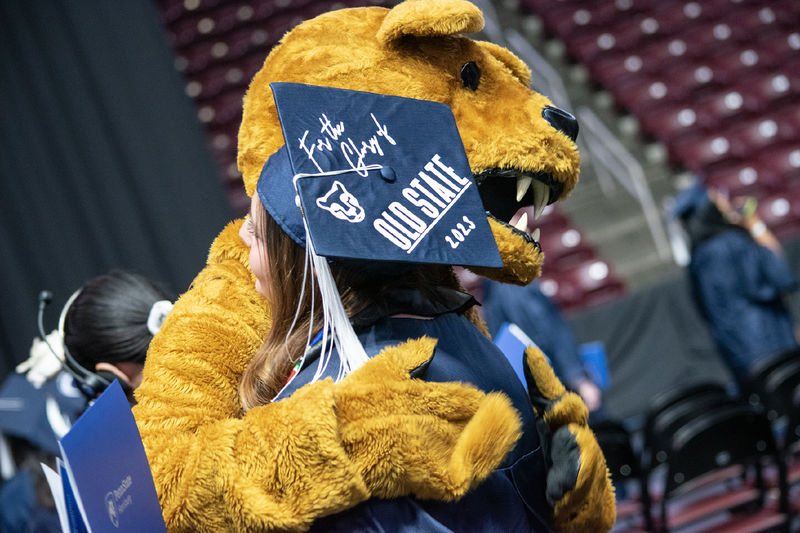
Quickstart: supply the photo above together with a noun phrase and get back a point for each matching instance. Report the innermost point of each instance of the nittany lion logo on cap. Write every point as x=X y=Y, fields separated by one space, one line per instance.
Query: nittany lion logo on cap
x=341 y=204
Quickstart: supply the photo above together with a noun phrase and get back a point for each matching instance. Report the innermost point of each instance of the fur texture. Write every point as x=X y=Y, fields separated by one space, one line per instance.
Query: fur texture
x=320 y=451
x=415 y=51
x=578 y=482
x=280 y=466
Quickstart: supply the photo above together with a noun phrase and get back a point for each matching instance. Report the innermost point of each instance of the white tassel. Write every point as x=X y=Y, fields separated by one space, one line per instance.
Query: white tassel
x=335 y=323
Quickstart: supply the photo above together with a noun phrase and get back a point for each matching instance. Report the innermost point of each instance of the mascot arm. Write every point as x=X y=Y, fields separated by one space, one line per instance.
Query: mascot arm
x=578 y=483
x=214 y=469
x=326 y=448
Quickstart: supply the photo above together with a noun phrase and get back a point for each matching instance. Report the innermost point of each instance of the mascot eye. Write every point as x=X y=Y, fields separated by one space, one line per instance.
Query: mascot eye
x=471 y=75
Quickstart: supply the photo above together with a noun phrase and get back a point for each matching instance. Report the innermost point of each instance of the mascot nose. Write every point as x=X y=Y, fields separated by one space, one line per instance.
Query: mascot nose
x=562 y=121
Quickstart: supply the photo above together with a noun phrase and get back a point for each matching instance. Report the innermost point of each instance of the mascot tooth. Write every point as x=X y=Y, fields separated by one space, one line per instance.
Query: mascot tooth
x=217 y=469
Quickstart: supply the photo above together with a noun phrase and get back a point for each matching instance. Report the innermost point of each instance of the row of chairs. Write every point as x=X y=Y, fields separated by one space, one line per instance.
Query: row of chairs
x=574 y=276
x=708 y=461
x=219 y=46
x=715 y=81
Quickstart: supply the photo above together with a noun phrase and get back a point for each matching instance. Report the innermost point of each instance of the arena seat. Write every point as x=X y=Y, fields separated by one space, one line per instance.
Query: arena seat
x=780 y=43
x=666 y=402
x=669 y=86
x=210 y=82
x=732 y=63
x=743 y=178
x=783 y=161
x=781 y=212
x=590 y=282
x=671 y=120
x=791 y=448
x=770 y=88
x=706 y=35
x=704 y=452
x=207 y=24
x=564 y=19
x=624 y=465
x=708 y=479
x=662 y=425
x=725 y=105
x=197 y=57
x=564 y=248
x=749 y=137
x=773 y=388
x=698 y=151
x=227 y=107
x=563 y=291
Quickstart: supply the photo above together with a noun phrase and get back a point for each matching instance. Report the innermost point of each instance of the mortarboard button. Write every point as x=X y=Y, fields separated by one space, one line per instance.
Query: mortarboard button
x=388 y=174
x=374 y=184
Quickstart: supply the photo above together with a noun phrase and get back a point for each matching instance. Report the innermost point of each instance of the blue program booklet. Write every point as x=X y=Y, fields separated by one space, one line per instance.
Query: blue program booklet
x=512 y=341
x=106 y=483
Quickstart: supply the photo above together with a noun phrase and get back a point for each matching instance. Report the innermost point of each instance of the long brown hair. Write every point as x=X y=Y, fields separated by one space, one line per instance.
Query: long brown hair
x=270 y=367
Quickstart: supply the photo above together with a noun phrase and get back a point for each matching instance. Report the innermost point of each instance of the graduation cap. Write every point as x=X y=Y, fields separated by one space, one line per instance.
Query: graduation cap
x=378 y=178
x=39 y=415
x=371 y=179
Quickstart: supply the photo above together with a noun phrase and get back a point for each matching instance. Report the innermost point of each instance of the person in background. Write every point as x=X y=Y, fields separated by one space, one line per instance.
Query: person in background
x=106 y=328
x=108 y=325
x=738 y=278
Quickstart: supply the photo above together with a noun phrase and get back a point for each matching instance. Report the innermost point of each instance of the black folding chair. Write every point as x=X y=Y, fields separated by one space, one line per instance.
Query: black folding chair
x=716 y=463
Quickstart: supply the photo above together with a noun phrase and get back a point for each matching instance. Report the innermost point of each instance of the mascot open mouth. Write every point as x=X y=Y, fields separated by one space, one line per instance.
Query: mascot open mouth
x=504 y=191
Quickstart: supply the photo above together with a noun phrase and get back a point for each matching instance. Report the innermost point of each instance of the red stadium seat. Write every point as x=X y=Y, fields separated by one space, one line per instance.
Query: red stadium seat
x=743 y=178
x=787 y=116
x=781 y=212
x=783 y=162
x=770 y=88
x=618 y=69
x=243 y=41
x=619 y=37
x=209 y=83
x=731 y=63
x=654 y=56
x=668 y=86
x=699 y=150
x=197 y=57
x=690 y=77
x=669 y=121
x=784 y=44
x=565 y=248
x=201 y=25
x=645 y=94
x=748 y=138
x=563 y=292
x=172 y=10
x=223 y=110
x=748 y=20
x=725 y=104
x=589 y=283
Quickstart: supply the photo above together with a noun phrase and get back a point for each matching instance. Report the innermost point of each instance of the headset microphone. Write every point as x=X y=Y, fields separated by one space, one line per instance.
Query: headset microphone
x=90 y=383
x=45 y=297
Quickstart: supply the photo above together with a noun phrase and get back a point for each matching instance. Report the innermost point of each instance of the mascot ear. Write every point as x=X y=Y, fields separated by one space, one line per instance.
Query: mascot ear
x=428 y=18
x=518 y=69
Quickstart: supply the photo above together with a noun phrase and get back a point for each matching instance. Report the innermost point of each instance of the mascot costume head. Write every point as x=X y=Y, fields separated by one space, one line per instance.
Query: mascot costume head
x=521 y=149
x=217 y=469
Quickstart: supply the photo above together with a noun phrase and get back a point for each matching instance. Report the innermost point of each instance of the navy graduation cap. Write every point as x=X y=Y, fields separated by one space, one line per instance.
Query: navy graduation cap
x=374 y=177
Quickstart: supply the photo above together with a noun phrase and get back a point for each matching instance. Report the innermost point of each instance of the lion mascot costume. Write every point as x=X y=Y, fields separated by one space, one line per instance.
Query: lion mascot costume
x=379 y=433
